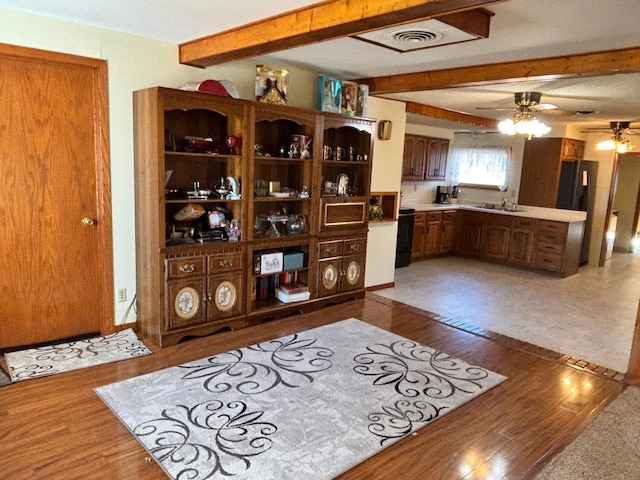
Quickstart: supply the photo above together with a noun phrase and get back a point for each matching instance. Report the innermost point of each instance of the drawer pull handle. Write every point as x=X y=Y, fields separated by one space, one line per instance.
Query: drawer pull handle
x=226 y=264
x=331 y=250
x=187 y=268
x=355 y=247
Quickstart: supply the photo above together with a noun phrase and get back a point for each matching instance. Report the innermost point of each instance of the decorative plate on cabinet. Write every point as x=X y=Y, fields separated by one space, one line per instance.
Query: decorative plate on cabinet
x=225 y=296
x=353 y=273
x=186 y=303
x=329 y=277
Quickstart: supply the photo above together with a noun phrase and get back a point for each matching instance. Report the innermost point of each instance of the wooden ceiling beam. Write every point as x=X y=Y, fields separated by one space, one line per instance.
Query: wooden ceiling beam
x=450 y=115
x=322 y=21
x=569 y=66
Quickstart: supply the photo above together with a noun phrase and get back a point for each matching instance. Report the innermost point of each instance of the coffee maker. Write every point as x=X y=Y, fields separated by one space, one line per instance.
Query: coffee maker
x=443 y=194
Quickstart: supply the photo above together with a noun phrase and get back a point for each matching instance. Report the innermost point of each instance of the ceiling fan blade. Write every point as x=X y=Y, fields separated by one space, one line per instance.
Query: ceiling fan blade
x=497 y=108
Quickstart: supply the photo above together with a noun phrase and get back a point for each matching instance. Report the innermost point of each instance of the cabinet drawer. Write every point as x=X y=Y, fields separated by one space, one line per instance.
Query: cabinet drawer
x=434 y=216
x=449 y=216
x=551 y=226
x=524 y=223
x=330 y=249
x=555 y=249
x=186 y=267
x=549 y=261
x=551 y=237
x=347 y=213
x=353 y=246
x=225 y=262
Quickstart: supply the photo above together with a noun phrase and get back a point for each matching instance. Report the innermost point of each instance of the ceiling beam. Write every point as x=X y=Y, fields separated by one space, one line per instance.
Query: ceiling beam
x=315 y=23
x=569 y=66
x=450 y=115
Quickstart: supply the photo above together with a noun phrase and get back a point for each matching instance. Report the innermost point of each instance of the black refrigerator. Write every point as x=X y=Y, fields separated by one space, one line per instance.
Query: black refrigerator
x=576 y=191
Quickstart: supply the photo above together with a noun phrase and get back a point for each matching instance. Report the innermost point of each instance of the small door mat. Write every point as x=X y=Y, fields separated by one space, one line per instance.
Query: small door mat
x=5 y=379
x=64 y=357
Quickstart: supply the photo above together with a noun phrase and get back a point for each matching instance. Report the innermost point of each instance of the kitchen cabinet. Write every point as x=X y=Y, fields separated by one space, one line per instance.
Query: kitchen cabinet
x=448 y=231
x=496 y=235
x=206 y=164
x=470 y=240
x=437 y=151
x=419 y=229
x=558 y=246
x=414 y=160
x=433 y=233
x=522 y=246
x=541 y=163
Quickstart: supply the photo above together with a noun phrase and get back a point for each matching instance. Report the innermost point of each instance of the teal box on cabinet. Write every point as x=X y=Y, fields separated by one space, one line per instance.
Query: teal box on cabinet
x=293 y=260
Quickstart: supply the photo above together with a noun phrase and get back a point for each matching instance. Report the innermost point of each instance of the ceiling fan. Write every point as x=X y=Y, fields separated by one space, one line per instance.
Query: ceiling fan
x=618 y=141
x=530 y=102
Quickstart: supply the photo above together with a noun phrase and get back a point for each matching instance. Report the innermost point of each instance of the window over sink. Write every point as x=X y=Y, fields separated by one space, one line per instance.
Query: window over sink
x=481 y=167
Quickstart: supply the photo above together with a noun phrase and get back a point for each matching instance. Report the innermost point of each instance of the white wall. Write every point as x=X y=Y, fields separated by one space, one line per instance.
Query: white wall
x=385 y=177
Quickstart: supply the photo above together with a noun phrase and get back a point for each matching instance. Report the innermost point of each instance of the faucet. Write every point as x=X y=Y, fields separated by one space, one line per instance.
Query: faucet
x=504 y=203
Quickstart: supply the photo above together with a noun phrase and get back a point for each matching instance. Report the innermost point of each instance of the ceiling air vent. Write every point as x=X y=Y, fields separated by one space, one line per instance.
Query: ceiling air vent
x=415 y=36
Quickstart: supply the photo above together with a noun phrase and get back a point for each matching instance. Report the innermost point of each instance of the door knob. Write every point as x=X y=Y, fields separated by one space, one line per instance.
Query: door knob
x=88 y=221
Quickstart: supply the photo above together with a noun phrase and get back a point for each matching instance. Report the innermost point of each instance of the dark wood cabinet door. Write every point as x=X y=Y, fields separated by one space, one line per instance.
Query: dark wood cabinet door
x=224 y=296
x=437 y=151
x=522 y=246
x=186 y=302
x=432 y=238
x=352 y=272
x=419 y=226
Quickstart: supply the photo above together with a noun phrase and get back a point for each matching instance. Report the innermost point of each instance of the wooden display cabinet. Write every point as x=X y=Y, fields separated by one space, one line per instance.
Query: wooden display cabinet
x=194 y=277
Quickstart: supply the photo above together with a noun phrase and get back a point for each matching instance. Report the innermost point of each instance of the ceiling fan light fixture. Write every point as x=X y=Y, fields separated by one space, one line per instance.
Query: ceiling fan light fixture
x=523 y=124
x=617 y=141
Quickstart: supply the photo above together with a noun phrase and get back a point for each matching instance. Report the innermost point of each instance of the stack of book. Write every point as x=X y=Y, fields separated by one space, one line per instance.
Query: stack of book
x=292 y=292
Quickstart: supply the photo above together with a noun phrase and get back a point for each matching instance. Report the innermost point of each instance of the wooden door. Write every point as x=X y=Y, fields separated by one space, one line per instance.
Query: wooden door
x=57 y=275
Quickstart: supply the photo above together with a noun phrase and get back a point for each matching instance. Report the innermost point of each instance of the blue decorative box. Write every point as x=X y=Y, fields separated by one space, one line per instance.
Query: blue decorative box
x=293 y=260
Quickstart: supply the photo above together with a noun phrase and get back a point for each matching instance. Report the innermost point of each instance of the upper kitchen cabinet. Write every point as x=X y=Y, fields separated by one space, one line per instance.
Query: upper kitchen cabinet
x=541 y=164
x=414 y=158
x=425 y=158
x=437 y=151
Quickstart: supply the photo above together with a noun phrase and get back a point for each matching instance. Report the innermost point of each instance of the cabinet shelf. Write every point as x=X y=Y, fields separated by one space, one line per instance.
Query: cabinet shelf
x=259 y=275
x=213 y=156
x=280 y=199
x=179 y=201
x=281 y=159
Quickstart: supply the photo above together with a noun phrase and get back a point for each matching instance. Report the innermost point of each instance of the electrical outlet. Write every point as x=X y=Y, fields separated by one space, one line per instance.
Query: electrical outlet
x=122 y=295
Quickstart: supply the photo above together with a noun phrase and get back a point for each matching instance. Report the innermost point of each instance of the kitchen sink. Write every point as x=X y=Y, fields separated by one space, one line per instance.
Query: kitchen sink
x=493 y=206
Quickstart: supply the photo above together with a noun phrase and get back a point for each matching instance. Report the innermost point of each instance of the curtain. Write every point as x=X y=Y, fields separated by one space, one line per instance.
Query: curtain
x=480 y=165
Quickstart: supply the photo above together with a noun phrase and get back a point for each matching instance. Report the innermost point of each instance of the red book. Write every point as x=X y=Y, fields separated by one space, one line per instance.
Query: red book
x=293 y=288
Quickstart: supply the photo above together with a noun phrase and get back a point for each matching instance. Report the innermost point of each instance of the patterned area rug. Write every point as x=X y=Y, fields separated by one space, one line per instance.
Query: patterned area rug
x=4 y=378
x=309 y=405
x=52 y=359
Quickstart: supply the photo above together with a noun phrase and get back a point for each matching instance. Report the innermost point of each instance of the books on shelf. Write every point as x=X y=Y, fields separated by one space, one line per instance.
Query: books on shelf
x=292 y=297
x=293 y=288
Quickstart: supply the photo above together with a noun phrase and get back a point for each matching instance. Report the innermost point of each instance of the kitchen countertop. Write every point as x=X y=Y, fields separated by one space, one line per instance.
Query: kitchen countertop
x=554 y=214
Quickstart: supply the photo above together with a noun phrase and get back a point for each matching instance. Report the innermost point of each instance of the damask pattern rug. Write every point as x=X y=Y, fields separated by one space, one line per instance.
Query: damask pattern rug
x=309 y=405
x=64 y=357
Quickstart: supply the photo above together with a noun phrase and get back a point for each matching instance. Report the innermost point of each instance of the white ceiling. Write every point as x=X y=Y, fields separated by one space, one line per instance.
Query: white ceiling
x=520 y=30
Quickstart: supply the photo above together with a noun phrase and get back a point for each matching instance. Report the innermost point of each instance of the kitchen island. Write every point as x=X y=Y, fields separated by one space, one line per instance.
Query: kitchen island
x=544 y=239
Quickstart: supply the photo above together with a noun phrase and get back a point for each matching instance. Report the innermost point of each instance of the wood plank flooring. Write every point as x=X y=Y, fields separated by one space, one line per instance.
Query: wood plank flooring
x=57 y=427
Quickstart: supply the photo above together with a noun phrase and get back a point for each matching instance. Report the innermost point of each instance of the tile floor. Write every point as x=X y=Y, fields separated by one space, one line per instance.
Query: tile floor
x=590 y=315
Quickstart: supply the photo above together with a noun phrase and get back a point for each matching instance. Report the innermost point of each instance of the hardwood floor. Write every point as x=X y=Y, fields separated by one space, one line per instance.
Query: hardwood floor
x=57 y=427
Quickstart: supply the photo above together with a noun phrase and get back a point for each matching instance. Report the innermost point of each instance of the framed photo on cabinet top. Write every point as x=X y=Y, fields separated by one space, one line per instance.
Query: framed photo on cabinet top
x=329 y=97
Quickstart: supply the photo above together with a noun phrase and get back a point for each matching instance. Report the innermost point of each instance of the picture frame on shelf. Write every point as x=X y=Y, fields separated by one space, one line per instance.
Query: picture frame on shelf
x=349 y=97
x=361 y=104
x=329 y=98
x=271 y=85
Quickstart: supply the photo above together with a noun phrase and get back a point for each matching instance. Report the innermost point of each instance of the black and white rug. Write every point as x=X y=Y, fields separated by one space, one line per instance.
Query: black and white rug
x=309 y=405
x=64 y=357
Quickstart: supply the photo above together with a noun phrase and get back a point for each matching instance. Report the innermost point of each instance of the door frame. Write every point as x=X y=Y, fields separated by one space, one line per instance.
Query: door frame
x=102 y=166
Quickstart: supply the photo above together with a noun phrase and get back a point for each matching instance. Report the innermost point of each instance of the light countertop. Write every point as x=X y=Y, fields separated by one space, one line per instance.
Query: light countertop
x=555 y=214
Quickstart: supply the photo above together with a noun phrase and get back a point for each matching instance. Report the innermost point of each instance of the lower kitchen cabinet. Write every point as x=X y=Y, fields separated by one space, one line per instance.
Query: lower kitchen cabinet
x=522 y=247
x=558 y=246
x=341 y=265
x=433 y=233
x=496 y=234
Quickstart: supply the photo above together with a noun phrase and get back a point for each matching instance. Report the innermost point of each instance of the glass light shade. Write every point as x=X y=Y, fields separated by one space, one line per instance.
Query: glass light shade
x=528 y=127
x=620 y=147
